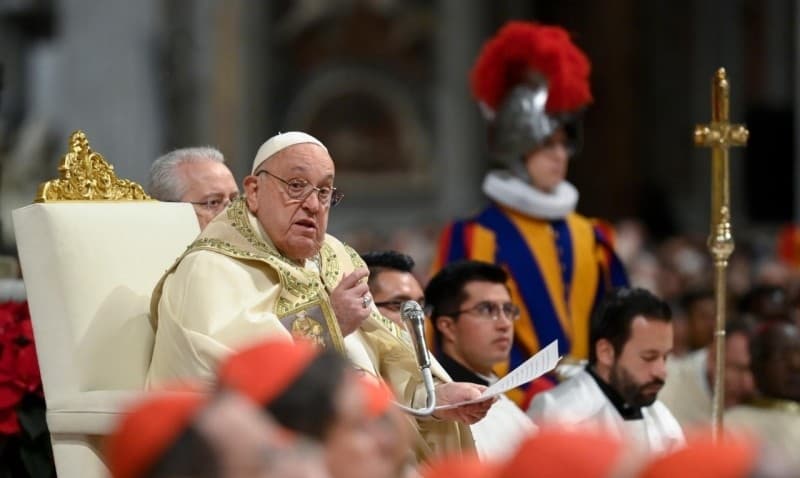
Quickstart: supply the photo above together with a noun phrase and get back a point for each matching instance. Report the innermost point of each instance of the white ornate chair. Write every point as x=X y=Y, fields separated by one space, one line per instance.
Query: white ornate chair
x=91 y=249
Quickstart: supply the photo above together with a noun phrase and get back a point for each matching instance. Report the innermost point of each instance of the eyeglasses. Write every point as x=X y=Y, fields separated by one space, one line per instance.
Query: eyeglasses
x=491 y=310
x=300 y=189
x=397 y=304
x=214 y=203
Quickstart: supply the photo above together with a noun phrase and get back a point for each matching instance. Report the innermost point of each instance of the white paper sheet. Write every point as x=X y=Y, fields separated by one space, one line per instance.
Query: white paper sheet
x=544 y=361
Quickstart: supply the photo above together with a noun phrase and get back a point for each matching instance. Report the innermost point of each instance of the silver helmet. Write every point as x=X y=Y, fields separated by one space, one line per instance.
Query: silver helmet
x=531 y=80
x=521 y=124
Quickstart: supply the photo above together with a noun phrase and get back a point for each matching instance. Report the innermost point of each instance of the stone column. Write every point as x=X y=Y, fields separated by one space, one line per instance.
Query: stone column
x=107 y=80
x=460 y=151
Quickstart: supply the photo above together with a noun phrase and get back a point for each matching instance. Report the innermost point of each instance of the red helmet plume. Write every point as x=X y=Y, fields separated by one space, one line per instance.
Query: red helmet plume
x=521 y=49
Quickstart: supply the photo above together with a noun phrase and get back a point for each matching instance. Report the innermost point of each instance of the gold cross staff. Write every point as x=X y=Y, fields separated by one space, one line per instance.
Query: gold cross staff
x=720 y=135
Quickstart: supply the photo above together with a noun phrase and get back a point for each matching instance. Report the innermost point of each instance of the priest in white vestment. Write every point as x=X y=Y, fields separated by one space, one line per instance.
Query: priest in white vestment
x=265 y=267
x=631 y=337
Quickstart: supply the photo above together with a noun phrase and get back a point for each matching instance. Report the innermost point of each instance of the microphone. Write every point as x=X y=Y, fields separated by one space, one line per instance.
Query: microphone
x=412 y=314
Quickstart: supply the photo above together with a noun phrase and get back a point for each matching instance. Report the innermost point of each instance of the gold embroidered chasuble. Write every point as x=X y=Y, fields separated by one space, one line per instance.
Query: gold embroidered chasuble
x=232 y=287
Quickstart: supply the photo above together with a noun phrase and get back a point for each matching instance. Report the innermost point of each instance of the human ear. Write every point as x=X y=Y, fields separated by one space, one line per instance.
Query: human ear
x=446 y=326
x=604 y=350
x=251 y=190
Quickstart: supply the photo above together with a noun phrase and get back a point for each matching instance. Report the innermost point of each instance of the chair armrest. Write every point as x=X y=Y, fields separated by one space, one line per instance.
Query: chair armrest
x=92 y=413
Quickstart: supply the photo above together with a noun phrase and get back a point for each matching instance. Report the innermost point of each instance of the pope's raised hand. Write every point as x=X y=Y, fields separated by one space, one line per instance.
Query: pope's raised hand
x=351 y=300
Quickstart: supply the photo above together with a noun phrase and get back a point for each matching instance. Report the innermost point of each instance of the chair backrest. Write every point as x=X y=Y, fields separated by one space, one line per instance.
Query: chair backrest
x=89 y=269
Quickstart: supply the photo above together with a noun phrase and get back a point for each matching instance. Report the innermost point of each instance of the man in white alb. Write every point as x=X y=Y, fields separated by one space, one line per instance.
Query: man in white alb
x=630 y=339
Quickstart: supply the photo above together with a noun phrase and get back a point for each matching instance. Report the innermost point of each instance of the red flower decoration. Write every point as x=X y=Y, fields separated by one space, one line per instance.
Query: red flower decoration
x=19 y=367
x=9 y=425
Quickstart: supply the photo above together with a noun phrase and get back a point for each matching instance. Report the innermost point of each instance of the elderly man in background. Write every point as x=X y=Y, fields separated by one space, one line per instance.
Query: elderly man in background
x=266 y=267
x=195 y=175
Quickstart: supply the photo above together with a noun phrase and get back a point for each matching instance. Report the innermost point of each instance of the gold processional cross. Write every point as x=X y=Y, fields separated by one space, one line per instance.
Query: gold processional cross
x=720 y=135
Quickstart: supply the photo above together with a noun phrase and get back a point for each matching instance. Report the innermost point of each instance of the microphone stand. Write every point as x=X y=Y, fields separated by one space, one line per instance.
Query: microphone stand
x=412 y=314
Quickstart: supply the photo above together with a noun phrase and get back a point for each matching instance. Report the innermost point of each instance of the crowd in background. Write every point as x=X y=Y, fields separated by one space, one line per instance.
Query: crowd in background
x=625 y=311
x=679 y=269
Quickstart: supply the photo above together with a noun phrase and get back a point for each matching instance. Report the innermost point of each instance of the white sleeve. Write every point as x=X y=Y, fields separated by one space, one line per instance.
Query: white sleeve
x=210 y=305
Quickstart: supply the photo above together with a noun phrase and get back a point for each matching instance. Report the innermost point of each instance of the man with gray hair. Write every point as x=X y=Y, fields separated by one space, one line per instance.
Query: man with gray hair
x=195 y=175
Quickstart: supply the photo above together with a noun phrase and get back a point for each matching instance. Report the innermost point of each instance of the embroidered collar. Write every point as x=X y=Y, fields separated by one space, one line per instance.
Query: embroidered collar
x=262 y=235
x=626 y=411
x=509 y=190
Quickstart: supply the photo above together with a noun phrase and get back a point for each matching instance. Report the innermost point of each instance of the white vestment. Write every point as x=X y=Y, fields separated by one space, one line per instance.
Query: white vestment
x=233 y=287
x=687 y=392
x=776 y=425
x=579 y=402
x=500 y=432
x=498 y=435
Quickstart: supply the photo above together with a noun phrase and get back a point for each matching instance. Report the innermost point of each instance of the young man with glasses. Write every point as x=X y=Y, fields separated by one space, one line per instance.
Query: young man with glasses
x=473 y=317
x=195 y=175
x=267 y=268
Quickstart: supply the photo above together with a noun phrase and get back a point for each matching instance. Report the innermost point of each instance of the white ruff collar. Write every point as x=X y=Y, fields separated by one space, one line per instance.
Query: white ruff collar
x=510 y=191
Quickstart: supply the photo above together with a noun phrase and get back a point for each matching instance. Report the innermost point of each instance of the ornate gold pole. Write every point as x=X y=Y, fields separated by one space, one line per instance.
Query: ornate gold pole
x=720 y=135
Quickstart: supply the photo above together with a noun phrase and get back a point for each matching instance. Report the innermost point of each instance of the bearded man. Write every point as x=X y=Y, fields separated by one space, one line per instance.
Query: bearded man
x=631 y=337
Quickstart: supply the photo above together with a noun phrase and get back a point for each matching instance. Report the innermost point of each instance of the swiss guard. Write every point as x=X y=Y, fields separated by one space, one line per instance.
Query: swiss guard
x=532 y=85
